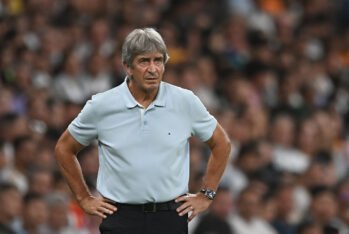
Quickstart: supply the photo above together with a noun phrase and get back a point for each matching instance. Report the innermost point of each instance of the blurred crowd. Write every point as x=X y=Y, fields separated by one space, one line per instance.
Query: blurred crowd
x=275 y=73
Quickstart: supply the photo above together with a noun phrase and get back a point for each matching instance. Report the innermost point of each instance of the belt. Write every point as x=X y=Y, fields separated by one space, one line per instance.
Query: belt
x=150 y=207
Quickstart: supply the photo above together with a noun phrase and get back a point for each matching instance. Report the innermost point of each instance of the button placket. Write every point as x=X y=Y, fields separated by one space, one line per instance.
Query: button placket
x=145 y=121
x=142 y=111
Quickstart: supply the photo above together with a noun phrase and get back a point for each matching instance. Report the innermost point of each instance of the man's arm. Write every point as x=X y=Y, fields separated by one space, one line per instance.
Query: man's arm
x=66 y=151
x=220 y=147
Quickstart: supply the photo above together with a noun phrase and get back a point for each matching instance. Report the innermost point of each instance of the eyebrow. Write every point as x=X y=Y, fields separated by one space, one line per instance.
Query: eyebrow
x=149 y=57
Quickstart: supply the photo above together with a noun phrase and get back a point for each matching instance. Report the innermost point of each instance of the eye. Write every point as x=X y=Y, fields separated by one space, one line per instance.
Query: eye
x=159 y=61
x=143 y=62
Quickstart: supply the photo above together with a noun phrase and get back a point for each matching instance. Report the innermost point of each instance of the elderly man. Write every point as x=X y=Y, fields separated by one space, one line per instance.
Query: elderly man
x=143 y=127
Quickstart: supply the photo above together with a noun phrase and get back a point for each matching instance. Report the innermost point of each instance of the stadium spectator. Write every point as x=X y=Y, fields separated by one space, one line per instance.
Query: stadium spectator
x=216 y=220
x=11 y=204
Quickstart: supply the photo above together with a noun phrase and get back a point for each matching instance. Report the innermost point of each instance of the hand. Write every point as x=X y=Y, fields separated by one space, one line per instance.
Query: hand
x=194 y=203
x=97 y=206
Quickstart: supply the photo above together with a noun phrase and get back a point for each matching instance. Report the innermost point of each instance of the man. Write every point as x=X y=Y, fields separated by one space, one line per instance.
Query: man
x=246 y=220
x=216 y=220
x=143 y=127
x=34 y=215
x=11 y=204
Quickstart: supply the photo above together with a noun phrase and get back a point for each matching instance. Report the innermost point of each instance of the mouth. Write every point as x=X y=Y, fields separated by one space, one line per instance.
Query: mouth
x=151 y=79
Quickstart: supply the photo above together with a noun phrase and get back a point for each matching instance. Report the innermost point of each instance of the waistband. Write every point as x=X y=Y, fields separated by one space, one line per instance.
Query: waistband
x=149 y=207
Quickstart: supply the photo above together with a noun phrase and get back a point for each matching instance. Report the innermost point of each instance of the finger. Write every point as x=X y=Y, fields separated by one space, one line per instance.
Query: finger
x=187 y=210
x=109 y=206
x=100 y=214
x=104 y=210
x=106 y=200
x=182 y=198
x=183 y=207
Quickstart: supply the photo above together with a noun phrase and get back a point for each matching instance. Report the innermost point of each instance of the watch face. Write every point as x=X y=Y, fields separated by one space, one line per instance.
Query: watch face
x=210 y=194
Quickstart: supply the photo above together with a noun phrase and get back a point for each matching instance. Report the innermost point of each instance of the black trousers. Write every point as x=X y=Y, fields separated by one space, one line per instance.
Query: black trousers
x=130 y=221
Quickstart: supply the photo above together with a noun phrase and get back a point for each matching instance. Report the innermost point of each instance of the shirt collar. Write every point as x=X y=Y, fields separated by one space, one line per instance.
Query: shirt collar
x=160 y=98
x=131 y=102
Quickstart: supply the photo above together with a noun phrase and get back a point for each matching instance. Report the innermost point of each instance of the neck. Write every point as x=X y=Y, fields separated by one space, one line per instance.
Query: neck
x=143 y=97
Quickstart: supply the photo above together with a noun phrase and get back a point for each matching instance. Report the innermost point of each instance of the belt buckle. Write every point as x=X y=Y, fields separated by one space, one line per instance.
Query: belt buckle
x=149 y=207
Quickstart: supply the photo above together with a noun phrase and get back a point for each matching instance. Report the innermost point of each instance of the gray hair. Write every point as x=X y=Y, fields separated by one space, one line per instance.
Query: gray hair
x=141 y=41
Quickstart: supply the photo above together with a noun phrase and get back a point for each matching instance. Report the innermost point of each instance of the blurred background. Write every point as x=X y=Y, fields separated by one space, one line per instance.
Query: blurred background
x=275 y=73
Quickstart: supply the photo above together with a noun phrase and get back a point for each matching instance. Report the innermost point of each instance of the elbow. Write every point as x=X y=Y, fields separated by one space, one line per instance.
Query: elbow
x=58 y=149
x=66 y=147
x=228 y=145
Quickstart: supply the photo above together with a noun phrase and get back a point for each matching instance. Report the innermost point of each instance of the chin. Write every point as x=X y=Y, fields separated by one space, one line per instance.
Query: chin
x=151 y=88
x=154 y=85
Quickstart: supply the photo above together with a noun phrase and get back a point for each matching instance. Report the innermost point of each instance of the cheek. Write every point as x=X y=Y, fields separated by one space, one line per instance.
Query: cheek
x=161 y=70
x=140 y=71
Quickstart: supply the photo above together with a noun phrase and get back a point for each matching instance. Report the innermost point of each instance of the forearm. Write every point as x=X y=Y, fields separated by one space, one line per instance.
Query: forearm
x=220 y=152
x=66 y=150
x=215 y=168
x=220 y=147
x=71 y=170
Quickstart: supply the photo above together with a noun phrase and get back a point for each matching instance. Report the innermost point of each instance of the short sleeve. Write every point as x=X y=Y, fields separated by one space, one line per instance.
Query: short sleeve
x=84 y=128
x=203 y=123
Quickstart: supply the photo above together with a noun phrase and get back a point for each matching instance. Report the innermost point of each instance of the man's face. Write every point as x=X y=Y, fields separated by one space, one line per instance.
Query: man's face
x=248 y=205
x=147 y=71
x=222 y=205
x=11 y=203
x=35 y=212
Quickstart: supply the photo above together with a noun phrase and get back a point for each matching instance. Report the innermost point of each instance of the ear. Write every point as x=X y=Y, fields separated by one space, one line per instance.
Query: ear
x=128 y=69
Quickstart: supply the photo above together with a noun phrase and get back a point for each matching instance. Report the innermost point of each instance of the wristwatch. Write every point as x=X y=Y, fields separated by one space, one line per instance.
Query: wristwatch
x=209 y=193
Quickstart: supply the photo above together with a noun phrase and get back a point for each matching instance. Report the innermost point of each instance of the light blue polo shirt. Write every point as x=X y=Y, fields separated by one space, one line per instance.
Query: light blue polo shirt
x=143 y=153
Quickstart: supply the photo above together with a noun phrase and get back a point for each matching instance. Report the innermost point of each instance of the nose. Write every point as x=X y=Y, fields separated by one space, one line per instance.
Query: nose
x=151 y=67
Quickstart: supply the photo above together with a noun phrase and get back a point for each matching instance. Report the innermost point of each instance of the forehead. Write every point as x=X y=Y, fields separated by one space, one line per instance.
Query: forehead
x=149 y=55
